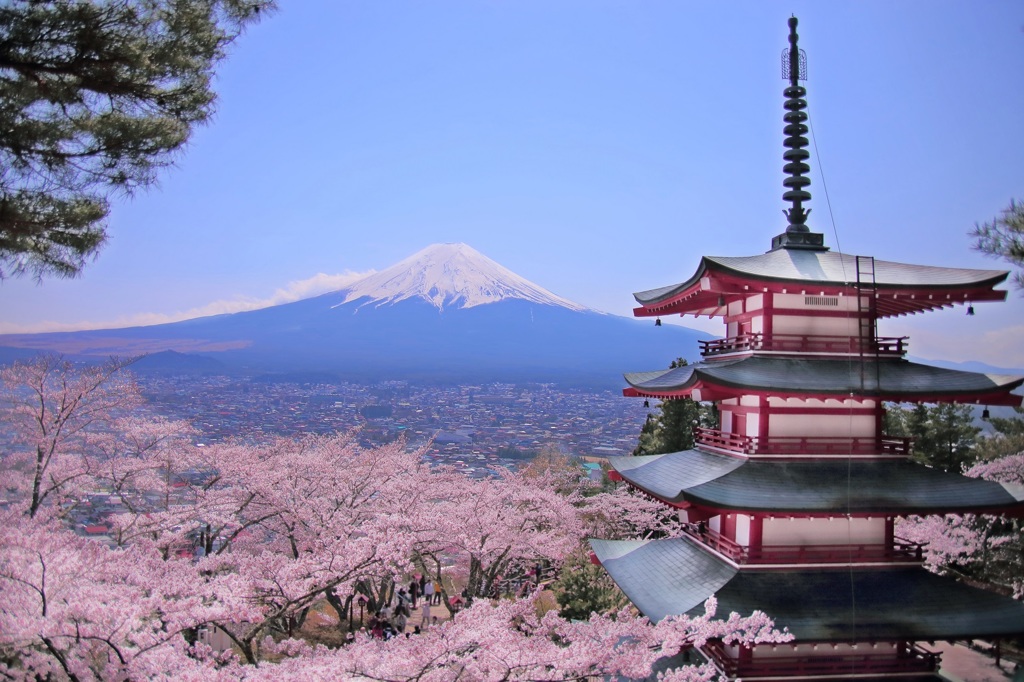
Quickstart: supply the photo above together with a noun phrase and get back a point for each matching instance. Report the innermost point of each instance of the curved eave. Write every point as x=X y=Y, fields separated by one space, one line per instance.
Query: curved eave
x=667 y=477
x=920 y=289
x=802 y=377
x=717 y=483
x=676 y=576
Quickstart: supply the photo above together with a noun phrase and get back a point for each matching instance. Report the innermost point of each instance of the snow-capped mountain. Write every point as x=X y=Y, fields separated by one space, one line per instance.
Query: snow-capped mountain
x=446 y=313
x=450 y=276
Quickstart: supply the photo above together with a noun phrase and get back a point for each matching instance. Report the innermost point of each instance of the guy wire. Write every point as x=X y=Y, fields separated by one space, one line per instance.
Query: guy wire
x=860 y=330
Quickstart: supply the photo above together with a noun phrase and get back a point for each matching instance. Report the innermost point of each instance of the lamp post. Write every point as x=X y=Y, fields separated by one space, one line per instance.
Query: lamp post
x=361 y=598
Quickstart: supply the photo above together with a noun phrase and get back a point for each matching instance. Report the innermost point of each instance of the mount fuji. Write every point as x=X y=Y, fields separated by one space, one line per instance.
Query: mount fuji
x=450 y=276
x=446 y=313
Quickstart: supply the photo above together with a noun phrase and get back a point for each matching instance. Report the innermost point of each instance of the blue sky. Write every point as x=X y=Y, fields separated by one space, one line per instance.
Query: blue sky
x=594 y=147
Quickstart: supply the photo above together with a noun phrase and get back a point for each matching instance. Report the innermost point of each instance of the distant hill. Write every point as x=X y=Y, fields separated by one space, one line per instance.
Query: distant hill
x=971 y=366
x=173 y=362
x=447 y=313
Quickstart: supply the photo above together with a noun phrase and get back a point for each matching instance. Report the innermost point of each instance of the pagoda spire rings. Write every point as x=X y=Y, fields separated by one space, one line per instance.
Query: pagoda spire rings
x=797 y=234
x=795 y=130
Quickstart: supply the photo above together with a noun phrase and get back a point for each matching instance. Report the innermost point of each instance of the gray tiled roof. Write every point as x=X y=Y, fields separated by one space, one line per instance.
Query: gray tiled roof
x=828 y=267
x=669 y=476
x=671 y=577
x=889 y=377
x=664 y=577
x=854 y=486
x=873 y=604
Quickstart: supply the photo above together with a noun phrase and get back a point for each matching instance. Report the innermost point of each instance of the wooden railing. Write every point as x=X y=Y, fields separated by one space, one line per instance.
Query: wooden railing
x=900 y=551
x=799 y=445
x=911 y=659
x=793 y=343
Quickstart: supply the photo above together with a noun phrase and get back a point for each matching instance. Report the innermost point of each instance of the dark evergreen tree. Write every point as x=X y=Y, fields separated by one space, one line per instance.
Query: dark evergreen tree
x=1008 y=438
x=1003 y=237
x=95 y=98
x=647 y=443
x=583 y=588
x=671 y=430
x=944 y=434
x=1010 y=426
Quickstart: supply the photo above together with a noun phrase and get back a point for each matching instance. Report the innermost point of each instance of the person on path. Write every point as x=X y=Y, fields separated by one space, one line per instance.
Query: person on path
x=425 y=619
x=399 y=621
x=377 y=627
x=414 y=588
x=428 y=592
x=437 y=592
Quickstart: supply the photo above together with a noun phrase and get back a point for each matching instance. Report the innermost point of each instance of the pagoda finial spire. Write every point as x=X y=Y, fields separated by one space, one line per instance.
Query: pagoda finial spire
x=794 y=68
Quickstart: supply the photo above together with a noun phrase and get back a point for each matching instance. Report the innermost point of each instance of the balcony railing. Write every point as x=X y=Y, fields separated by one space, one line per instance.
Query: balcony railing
x=900 y=551
x=911 y=659
x=891 y=346
x=799 y=445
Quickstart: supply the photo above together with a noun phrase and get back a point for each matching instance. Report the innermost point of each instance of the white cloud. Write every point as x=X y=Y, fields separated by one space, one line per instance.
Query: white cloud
x=293 y=291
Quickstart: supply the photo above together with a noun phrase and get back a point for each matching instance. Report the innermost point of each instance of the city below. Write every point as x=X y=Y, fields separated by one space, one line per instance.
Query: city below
x=476 y=428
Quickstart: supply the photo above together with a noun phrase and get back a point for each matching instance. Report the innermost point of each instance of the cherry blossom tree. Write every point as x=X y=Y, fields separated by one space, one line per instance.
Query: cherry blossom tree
x=987 y=548
x=499 y=528
x=508 y=640
x=625 y=513
x=291 y=521
x=51 y=407
x=74 y=609
x=249 y=537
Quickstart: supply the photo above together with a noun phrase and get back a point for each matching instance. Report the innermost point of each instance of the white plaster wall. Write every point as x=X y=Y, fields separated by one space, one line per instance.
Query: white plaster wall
x=822 y=425
x=726 y=418
x=779 y=531
x=815 y=326
x=755 y=302
x=814 y=403
x=743 y=529
x=753 y=424
x=215 y=638
x=762 y=651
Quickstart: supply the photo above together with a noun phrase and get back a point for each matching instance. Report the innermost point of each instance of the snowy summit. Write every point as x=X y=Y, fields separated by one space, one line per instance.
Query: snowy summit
x=450 y=276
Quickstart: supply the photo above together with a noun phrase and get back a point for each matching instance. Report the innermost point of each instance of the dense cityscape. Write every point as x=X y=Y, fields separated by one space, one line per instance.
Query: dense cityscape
x=474 y=427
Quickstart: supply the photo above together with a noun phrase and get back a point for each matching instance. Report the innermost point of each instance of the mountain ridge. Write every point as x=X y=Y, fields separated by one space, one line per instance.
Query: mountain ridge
x=446 y=313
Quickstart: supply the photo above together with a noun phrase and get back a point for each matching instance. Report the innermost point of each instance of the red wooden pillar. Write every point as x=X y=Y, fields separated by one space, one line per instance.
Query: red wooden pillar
x=729 y=527
x=756 y=534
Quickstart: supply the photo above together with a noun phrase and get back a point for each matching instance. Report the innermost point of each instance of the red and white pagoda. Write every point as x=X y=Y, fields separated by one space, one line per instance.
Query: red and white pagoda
x=792 y=500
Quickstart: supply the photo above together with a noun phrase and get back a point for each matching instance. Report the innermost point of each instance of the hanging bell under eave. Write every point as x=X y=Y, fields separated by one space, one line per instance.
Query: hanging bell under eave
x=657 y=322
x=970 y=309
x=985 y=414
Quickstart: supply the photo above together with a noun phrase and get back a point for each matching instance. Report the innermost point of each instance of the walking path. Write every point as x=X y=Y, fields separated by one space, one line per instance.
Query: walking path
x=960 y=664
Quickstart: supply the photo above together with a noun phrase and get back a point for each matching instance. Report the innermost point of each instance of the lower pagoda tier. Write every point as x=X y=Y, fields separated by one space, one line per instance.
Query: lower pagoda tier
x=716 y=482
x=845 y=622
x=891 y=379
x=676 y=576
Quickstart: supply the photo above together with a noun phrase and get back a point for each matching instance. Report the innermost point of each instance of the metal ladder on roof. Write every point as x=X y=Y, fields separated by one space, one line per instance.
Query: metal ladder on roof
x=867 y=318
